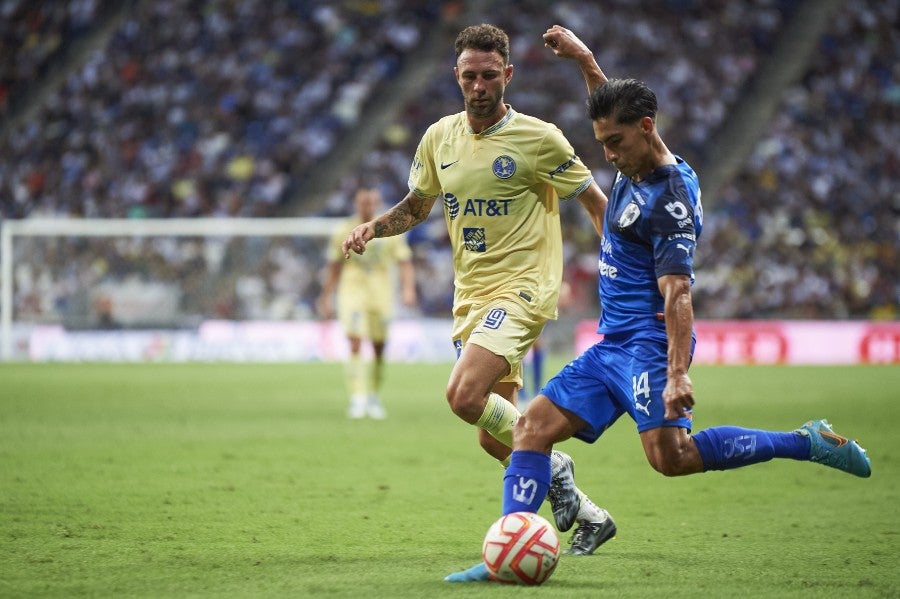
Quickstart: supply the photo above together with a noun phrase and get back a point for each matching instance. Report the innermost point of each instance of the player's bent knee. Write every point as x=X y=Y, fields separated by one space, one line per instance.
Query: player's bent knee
x=467 y=406
x=664 y=466
x=671 y=451
x=673 y=462
x=531 y=434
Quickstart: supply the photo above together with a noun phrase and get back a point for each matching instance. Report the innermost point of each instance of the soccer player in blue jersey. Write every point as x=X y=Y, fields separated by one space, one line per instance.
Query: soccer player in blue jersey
x=640 y=368
x=500 y=176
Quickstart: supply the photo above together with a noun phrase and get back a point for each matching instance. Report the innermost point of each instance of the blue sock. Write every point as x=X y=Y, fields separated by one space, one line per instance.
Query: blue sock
x=537 y=368
x=526 y=481
x=727 y=447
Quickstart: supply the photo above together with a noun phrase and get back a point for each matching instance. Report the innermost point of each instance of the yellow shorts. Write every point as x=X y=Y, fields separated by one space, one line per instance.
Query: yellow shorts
x=505 y=326
x=364 y=323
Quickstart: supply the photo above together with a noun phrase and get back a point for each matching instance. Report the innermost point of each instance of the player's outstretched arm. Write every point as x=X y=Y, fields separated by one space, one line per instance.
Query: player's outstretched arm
x=329 y=287
x=594 y=202
x=679 y=316
x=566 y=44
x=406 y=214
x=408 y=283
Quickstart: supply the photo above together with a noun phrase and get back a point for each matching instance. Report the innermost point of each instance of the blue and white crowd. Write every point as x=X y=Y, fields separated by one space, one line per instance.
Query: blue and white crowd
x=226 y=108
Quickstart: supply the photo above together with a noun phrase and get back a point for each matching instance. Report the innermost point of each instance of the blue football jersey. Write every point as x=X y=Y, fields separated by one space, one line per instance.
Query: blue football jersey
x=650 y=229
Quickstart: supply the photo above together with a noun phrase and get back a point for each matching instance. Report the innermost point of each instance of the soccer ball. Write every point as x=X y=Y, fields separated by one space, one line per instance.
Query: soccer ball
x=521 y=548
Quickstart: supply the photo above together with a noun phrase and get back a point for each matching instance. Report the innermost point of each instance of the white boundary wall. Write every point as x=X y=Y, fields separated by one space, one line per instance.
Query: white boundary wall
x=416 y=340
x=428 y=340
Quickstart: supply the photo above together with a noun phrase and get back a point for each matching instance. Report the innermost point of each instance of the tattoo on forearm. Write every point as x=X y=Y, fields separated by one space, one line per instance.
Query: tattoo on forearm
x=400 y=219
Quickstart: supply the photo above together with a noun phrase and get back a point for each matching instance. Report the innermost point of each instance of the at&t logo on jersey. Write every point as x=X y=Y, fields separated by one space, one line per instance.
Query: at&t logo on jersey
x=475 y=207
x=452 y=205
x=482 y=207
x=504 y=167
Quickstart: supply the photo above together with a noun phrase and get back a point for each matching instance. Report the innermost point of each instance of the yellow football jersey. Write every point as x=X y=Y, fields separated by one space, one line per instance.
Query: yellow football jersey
x=501 y=191
x=367 y=280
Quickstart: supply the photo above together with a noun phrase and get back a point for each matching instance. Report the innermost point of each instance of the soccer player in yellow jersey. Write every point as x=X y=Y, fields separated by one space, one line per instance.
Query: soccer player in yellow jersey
x=500 y=175
x=365 y=301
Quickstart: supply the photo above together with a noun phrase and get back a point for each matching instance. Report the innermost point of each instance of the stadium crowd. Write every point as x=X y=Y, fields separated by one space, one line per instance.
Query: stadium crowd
x=203 y=109
x=809 y=228
x=33 y=37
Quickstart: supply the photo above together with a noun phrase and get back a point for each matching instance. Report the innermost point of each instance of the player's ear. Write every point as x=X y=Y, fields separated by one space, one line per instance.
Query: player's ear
x=508 y=73
x=647 y=125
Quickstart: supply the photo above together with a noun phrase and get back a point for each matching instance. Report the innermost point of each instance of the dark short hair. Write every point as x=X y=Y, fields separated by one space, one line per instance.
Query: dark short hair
x=625 y=100
x=484 y=37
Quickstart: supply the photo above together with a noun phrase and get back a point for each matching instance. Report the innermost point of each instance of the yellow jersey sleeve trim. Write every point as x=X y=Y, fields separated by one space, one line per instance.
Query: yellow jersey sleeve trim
x=579 y=190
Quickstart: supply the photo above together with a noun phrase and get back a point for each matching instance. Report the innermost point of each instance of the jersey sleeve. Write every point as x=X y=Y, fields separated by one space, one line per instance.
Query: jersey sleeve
x=559 y=166
x=423 y=179
x=673 y=234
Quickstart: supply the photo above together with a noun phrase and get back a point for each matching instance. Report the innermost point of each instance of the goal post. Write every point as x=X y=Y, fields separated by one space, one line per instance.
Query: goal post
x=12 y=230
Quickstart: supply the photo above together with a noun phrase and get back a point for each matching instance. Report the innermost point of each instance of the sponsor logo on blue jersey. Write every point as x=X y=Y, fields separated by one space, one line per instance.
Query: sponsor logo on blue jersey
x=629 y=215
x=688 y=236
x=474 y=239
x=607 y=270
x=603 y=267
x=605 y=245
x=504 y=167
x=680 y=213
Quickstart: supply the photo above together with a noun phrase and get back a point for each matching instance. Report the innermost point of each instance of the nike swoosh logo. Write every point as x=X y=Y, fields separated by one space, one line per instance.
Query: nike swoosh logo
x=449 y=164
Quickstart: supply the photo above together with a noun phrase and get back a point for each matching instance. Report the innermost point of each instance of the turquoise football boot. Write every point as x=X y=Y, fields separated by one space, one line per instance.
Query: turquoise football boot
x=831 y=449
x=477 y=573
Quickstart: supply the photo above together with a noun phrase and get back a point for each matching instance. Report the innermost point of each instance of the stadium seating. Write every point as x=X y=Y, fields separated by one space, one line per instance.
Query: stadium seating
x=228 y=112
x=808 y=228
x=33 y=37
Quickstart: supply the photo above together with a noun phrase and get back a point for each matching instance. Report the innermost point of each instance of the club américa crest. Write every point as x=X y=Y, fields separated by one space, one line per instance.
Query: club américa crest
x=504 y=167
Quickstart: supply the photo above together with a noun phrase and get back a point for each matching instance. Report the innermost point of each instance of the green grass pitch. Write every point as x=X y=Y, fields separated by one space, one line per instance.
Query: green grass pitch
x=224 y=480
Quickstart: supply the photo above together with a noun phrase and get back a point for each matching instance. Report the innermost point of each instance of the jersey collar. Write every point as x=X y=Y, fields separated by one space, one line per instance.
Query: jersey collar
x=662 y=171
x=496 y=126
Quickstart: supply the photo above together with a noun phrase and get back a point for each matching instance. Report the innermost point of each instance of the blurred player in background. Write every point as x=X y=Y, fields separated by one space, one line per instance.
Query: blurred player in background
x=535 y=371
x=640 y=368
x=365 y=301
x=500 y=175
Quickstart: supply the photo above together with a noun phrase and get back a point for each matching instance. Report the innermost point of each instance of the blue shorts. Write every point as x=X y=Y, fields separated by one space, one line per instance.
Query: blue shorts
x=623 y=373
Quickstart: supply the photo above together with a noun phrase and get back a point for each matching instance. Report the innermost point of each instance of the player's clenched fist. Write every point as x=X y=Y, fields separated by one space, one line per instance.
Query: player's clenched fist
x=564 y=43
x=358 y=238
